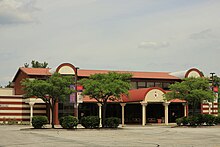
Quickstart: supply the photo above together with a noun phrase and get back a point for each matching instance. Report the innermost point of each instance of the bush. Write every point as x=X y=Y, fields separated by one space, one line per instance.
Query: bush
x=185 y=121
x=179 y=121
x=193 y=120
x=217 y=120
x=200 y=120
x=69 y=122
x=90 y=122
x=112 y=122
x=39 y=121
x=209 y=119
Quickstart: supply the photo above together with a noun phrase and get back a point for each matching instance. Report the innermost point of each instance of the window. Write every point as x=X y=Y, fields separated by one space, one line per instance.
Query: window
x=133 y=85
x=141 y=84
x=158 y=84
x=150 y=84
x=166 y=86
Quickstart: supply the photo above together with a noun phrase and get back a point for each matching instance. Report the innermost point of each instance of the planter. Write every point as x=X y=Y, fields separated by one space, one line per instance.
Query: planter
x=159 y=121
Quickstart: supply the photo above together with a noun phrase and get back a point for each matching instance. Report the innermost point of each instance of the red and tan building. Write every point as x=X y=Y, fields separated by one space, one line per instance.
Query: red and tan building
x=145 y=103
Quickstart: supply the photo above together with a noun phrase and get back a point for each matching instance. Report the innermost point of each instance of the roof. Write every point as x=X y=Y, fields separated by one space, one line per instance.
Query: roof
x=87 y=99
x=33 y=71
x=36 y=71
x=177 y=101
x=136 y=74
x=135 y=95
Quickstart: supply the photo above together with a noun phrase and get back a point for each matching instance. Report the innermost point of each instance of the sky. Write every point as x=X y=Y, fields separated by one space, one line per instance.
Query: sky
x=134 y=35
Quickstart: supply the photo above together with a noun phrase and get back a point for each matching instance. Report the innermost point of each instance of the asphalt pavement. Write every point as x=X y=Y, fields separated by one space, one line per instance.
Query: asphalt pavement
x=131 y=136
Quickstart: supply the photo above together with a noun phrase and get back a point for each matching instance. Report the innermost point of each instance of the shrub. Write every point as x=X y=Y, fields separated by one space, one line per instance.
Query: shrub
x=39 y=121
x=179 y=121
x=112 y=122
x=217 y=120
x=69 y=122
x=12 y=121
x=193 y=120
x=200 y=120
x=90 y=122
x=185 y=121
x=61 y=120
x=209 y=119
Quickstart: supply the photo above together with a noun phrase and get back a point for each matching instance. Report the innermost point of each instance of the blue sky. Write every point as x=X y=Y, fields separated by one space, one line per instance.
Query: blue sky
x=142 y=35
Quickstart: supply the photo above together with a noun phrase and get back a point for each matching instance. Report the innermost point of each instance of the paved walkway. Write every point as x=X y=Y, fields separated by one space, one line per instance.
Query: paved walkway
x=149 y=136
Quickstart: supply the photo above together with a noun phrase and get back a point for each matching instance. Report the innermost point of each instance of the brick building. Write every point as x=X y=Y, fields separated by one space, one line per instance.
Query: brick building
x=145 y=103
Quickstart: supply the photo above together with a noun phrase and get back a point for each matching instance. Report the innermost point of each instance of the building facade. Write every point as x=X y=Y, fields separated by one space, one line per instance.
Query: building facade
x=144 y=104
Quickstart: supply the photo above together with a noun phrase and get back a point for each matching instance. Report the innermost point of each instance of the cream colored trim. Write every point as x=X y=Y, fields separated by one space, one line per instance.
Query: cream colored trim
x=13 y=117
x=66 y=70
x=154 y=95
x=194 y=74
x=21 y=111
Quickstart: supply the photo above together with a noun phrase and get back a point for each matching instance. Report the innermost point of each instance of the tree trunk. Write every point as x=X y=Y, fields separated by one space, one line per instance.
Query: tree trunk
x=52 y=108
x=103 y=113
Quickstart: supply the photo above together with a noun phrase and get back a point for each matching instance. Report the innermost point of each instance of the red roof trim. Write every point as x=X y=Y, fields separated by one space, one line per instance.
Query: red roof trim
x=177 y=101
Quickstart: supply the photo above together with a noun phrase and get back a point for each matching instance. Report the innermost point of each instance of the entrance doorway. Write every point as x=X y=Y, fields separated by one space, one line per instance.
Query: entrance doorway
x=155 y=113
x=176 y=110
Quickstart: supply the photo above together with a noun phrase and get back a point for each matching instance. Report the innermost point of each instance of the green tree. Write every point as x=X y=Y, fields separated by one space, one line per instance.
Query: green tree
x=55 y=88
x=216 y=81
x=9 y=84
x=36 y=64
x=193 y=90
x=104 y=87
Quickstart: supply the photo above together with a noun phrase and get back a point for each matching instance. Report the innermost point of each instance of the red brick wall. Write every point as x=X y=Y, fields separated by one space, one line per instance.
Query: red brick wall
x=17 y=87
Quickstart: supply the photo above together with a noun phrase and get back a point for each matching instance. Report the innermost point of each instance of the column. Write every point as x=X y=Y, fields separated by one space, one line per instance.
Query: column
x=31 y=111
x=144 y=104
x=122 y=114
x=100 y=114
x=166 y=104
x=55 y=115
x=185 y=109
x=210 y=106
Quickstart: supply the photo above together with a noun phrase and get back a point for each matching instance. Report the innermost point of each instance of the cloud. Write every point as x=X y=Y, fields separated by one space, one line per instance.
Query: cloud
x=16 y=11
x=205 y=34
x=153 y=45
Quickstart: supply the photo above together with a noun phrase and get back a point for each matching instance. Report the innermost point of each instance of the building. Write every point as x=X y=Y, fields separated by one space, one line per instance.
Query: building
x=145 y=103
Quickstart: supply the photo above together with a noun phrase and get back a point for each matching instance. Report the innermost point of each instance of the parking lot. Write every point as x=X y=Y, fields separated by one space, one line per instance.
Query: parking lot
x=149 y=136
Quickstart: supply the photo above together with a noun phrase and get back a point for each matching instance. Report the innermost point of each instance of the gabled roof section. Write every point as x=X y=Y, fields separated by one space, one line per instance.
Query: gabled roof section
x=36 y=71
x=33 y=71
x=136 y=95
x=138 y=75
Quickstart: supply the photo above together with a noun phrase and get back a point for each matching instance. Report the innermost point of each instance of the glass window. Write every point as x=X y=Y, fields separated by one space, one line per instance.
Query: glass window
x=150 y=84
x=158 y=84
x=141 y=84
x=166 y=86
x=133 y=85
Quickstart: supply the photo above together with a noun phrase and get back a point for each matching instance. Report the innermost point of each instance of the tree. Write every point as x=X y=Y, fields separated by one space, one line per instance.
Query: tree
x=55 y=88
x=36 y=64
x=104 y=87
x=193 y=90
x=9 y=84
x=216 y=81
